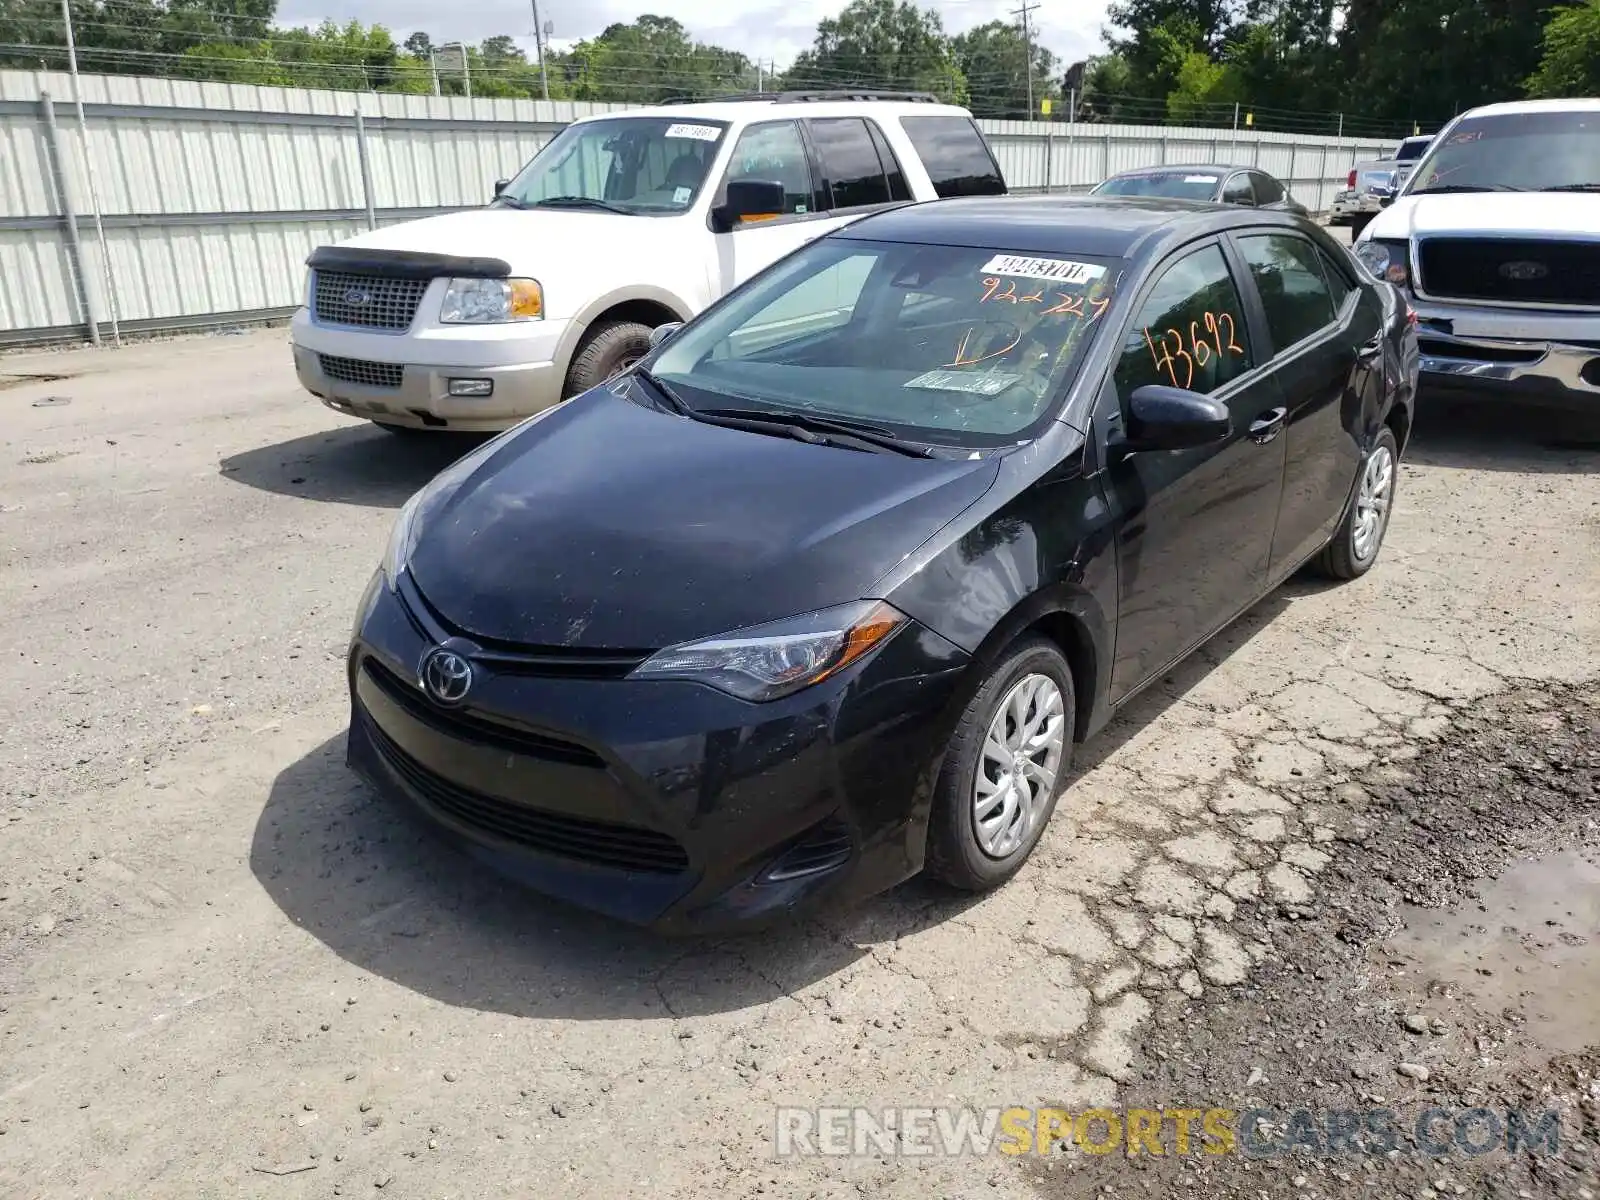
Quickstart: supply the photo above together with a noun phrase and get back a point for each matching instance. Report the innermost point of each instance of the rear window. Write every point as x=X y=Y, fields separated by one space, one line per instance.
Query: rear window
x=957 y=158
x=1178 y=185
x=1411 y=149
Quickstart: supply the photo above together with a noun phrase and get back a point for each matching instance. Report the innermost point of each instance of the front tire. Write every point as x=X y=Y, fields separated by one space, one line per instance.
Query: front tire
x=609 y=349
x=1009 y=754
x=1355 y=546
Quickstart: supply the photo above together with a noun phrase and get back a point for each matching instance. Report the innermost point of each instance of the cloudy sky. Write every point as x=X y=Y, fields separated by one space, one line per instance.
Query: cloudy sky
x=762 y=29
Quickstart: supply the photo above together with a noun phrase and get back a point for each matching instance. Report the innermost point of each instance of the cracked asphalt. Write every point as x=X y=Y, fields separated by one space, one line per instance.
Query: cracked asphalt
x=225 y=970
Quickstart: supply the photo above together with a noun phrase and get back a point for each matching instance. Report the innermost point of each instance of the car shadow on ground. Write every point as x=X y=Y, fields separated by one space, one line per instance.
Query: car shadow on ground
x=355 y=464
x=1504 y=437
x=392 y=899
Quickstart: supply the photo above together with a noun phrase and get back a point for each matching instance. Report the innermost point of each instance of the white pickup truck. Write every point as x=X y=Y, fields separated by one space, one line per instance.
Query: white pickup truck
x=1495 y=240
x=623 y=223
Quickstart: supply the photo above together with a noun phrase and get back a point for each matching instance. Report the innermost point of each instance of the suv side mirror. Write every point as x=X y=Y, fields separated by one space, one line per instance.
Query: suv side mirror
x=1169 y=418
x=500 y=185
x=749 y=200
x=662 y=332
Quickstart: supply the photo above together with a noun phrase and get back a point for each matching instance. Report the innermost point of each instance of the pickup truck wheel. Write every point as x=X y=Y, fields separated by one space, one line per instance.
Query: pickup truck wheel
x=610 y=349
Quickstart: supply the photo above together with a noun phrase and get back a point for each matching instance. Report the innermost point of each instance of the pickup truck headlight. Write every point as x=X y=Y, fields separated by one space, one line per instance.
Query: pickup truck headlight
x=766 y=662
x=492 y=301
x=1386 y=261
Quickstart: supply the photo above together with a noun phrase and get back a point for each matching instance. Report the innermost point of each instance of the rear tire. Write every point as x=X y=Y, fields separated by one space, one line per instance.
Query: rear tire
x=978 y=834
x=609 y=349
x=1355 y=546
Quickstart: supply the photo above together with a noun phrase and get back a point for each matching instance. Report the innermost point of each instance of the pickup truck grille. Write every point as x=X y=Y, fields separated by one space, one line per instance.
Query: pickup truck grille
x=1521 y=271
x=369 y=301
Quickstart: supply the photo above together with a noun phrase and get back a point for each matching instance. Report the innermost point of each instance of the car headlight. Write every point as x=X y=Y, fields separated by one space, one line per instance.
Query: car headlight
x=1385 y=261
x=492 y=301
x=766 y=662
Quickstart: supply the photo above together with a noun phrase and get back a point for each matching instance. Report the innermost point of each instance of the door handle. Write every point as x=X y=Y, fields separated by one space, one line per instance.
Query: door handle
x=1268 y=425
x=1371 y=351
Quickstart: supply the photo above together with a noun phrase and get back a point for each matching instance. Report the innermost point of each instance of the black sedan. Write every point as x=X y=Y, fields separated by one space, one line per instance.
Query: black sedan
x=824 y=591
x=1248 y=186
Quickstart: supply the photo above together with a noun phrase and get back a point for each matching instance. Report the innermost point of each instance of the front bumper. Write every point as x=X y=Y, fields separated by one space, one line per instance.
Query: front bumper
x=1548 y=359
x=666 y=804
x=418 y=370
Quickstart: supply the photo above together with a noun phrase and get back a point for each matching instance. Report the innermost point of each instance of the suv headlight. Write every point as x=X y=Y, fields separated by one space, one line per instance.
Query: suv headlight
x=1386 y=261
x=765 y=662
x=492 y=301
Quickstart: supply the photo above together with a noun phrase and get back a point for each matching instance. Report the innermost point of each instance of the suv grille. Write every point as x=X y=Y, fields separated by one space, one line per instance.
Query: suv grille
x=1521 y=271
x=370 y=301
x=360 y=371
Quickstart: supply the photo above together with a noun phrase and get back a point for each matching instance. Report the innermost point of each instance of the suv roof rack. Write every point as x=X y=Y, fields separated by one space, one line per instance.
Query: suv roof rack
x=813 y=97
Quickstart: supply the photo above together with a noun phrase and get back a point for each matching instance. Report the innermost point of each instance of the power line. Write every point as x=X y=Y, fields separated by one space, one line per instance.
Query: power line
x=1027 y=42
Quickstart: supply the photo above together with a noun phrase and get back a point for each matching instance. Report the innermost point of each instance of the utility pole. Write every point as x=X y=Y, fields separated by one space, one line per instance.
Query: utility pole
x=1027 y=41
x=538 y=43
x=88 y=171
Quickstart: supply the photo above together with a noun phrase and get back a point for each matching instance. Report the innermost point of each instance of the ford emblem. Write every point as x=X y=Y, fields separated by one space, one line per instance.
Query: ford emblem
x=1522 y=270
x=357 y=297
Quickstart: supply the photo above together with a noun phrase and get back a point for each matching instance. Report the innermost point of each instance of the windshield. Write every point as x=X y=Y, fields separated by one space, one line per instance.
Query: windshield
x=635 y=164
x=1514 y=152
x=1180 y=185
x=939 y=344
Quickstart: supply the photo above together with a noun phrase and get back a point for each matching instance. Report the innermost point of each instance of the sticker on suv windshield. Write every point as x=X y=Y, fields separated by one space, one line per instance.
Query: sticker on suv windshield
x=989 y=383
x=1057 y=270
x=1199 y=178
x=700 y=133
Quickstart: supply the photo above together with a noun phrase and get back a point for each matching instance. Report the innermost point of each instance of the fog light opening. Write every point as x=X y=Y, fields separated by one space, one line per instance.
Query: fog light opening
x=826 y=847
x=471 y=387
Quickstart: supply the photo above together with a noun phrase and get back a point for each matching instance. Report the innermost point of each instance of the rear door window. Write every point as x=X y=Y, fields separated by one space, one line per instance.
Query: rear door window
x=848 y=159
x=957 y=158
x=1293 y=290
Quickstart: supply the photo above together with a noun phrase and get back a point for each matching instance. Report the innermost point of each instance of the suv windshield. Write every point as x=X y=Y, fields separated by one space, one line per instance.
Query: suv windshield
x=938 y=344
x=1180 y=185
x=1528 y=151
x=627 y=164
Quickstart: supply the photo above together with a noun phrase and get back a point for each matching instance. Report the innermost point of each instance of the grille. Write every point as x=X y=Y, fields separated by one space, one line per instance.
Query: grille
x=360 y=371
x=618 y=846
x=1485 y=269
x=470 y=728
x=370 y=301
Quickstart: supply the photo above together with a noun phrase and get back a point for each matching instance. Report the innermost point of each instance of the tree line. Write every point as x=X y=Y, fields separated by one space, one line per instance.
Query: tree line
x=1283 y=64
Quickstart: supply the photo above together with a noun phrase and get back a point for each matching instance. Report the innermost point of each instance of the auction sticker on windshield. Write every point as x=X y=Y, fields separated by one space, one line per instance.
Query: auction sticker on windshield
x=700 y=133
x=1058 y=270
x=986 y=384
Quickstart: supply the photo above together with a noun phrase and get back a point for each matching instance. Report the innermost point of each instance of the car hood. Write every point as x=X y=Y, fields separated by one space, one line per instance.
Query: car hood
x=608 y=525
x=1512 y=214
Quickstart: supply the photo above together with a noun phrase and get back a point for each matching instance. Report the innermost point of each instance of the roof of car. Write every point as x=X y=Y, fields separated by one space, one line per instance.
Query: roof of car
x=1514 y=107
x=808 y=104
x=1174 y=168
x=1105 y=226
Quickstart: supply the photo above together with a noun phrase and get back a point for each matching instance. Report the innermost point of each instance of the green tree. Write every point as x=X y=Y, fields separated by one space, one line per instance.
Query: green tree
x=882 y=44
x=994 y=58
x=419 y=45
x=652 y=59
x=1205 y=91
x=1570 y=65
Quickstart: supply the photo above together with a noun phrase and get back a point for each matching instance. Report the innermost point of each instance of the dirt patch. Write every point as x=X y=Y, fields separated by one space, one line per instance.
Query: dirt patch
x=1450 y=960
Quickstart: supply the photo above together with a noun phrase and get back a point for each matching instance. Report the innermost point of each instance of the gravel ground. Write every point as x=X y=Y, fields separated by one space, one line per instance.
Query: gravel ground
x=225 y=969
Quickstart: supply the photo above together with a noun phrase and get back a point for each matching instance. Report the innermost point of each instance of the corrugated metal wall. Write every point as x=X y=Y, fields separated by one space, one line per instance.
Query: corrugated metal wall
x=212 y=195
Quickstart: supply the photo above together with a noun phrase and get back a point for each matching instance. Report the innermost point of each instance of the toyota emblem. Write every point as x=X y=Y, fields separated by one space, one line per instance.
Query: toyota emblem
x=357 y=297
x=1523 y=271
x=446 y=676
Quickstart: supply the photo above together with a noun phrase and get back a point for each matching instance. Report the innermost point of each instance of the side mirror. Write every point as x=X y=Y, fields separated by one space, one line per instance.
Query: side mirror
x=662 y=332
x=500 y=185
x=1169 y=418
x=750 y=200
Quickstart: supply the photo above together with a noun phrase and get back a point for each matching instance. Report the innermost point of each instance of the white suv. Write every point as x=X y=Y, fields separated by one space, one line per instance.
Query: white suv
x=622 y=224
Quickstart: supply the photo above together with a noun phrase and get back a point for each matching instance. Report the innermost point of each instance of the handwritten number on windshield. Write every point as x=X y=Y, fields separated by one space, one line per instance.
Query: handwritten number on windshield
x=1065 y=305
x=961 y=351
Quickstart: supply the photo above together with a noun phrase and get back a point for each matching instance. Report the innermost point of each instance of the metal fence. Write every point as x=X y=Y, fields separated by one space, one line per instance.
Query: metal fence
x=196 y=204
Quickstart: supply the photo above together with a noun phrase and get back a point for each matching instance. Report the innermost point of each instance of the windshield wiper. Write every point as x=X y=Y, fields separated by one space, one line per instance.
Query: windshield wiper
x=1571 y=187
x=861 y=431
x=675 y=403
x=508 y=201
x=581 y=202
x=1466 y=187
